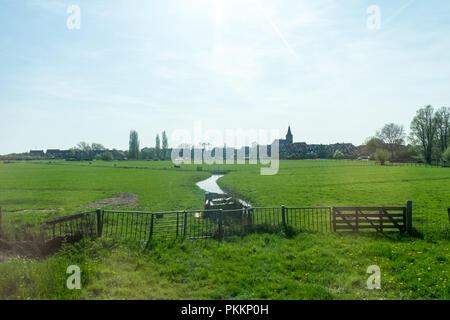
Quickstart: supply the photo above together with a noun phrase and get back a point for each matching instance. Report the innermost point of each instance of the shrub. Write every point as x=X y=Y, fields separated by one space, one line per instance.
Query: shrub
x=107 y=156
x=446 y=156
x=382 y=156
x=338 y=155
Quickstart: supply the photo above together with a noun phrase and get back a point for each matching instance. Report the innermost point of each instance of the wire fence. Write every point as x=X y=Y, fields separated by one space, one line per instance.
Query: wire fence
x=316 y=219
x=77 y=225
x=203 y=224
x=195 y=224
x=432 y=222
x=433 y=164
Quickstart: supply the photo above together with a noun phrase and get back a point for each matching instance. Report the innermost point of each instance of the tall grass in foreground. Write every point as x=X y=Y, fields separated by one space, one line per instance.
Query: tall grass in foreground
x=31 y=278
x=258 y=266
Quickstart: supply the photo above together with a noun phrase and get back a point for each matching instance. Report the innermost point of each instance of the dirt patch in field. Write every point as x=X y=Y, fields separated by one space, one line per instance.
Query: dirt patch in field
x=39 y=211
x=33 y=248
x=12 y=248
x=124 y=199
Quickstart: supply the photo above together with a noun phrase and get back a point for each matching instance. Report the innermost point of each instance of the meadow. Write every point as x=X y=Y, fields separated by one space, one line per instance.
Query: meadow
x=36 y=186
x=267 y=265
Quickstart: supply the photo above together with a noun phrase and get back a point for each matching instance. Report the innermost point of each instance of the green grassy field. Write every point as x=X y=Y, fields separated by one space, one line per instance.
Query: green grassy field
x=326 y=183
x=258 y=266
x=42 y=186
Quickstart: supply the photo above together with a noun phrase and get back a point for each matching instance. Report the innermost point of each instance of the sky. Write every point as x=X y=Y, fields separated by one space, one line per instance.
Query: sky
x=224 y=64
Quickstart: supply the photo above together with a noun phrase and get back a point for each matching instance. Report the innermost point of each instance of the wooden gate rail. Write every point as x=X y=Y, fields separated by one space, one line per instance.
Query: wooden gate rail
x=378 y=218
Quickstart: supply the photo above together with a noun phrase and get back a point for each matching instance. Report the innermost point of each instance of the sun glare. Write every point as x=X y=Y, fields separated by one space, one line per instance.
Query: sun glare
x=218 y=11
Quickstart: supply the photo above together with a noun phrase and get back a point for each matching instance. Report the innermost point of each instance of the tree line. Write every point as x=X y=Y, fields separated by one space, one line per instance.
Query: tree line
x=159 y=152
x=428 y=139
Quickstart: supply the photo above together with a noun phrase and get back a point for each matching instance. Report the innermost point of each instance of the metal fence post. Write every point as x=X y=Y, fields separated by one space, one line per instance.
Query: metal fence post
x=178 y=220
x=185 y=223
x=249 y=216
x=151 y=231
x=334 y=219
x=220 y=224
x=151 y=225
x=1 y=220
x=99 y=222
x=283 y=215
x=409 y=215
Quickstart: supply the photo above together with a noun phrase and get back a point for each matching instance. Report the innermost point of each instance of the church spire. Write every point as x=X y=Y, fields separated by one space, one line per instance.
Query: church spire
x=289 y=137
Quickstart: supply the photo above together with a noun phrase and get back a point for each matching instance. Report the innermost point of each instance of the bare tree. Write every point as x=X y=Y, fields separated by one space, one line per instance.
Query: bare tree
x=393 y=136
x=424 y=128
x=97 y=147
x=83 y=146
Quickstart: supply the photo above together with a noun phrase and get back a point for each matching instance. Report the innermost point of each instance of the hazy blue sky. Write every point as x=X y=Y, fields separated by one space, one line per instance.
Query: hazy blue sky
x=263 y=64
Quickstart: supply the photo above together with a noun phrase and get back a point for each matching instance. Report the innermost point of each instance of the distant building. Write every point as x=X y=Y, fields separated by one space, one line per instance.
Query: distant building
x=289 y=136
x=53 y=153
x=59 y=154
x=37 y=153
x=301 y=150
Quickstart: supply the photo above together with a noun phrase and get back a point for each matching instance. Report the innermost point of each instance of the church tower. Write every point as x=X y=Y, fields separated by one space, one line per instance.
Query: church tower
x=289 y=137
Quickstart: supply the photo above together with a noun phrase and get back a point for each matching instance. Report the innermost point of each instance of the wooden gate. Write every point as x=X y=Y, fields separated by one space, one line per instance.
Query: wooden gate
x=360 y=218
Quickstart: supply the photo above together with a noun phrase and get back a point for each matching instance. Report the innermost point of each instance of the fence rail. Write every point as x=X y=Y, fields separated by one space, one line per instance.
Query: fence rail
x=80 y=224
x=376 y=218
x=203 y=224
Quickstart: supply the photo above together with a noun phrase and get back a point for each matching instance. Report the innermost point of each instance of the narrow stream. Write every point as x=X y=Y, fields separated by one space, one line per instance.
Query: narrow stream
x=210 y=185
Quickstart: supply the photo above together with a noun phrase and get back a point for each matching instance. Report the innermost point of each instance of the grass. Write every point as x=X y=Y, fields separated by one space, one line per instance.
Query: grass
x=268 y=266
x=258 y=266
x=314 y=183
x=40 y=186
x=308 y=184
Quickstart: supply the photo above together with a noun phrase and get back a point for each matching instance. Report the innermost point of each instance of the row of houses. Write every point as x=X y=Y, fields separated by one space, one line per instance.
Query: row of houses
x=301 y=150
x=51 y=153
x=72 y=154
x=288 y=150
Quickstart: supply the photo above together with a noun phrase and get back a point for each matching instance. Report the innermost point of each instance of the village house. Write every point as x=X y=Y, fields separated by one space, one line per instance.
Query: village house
x=37 y=153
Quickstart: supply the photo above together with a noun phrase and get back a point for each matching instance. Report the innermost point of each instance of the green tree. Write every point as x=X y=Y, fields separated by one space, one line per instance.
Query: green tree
x=423 y=130
x=133 y=151
x=446 y=156
x=165 y=145
x=443 y=128
x=158 y=147
x=393 y=136
x=107 y=156
x=372 y=144
x=148 y=153
x=406 y=153
x=382 y=155
x=338 y=155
